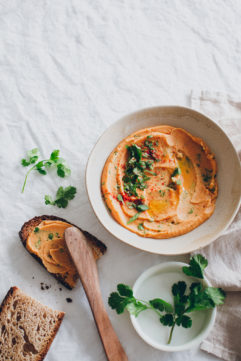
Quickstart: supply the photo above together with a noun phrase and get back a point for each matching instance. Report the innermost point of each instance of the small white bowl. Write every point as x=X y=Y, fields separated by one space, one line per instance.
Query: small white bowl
x=228 y=177
x=156 y=282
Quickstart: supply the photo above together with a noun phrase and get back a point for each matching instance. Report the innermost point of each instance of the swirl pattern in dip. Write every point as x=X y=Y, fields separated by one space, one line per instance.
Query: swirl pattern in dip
x=160 y=182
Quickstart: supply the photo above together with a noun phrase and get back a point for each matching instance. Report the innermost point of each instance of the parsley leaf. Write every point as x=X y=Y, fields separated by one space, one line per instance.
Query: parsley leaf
x=184 y=321
x=202 y=298
x=124 y=299
x=124 y=290
x=217 y=295
x=197 y=265
x=63 y=170
x=54 y=156
x=161 y=305
x=118 y=303
x=49 y=200
x=167 y=319
x=63 y=196
x=32 y=157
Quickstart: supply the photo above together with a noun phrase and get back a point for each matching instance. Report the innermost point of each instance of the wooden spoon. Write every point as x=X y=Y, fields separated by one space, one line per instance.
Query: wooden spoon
x=84 y=261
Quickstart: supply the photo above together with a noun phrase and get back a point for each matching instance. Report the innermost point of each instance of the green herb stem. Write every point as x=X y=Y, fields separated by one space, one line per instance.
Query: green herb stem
x=25 y=180
x=171 y=332
x=32 y=168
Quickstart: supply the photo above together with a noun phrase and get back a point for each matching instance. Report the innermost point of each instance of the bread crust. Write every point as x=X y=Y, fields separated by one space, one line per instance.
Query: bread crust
x=28 y=227
x=6 y=299
x=44 y=352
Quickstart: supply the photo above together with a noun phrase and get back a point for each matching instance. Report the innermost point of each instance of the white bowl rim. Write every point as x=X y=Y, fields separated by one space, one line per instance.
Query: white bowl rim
x=193 y=248
x=169 y=348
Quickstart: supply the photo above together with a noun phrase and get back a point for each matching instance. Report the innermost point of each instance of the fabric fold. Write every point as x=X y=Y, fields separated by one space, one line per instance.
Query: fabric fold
x=224 y=255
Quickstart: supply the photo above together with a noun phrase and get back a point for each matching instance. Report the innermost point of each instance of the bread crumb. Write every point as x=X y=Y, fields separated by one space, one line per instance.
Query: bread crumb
x=44 y=286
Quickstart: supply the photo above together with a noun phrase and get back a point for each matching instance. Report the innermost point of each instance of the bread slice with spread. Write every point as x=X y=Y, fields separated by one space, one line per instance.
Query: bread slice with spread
x=43 y=238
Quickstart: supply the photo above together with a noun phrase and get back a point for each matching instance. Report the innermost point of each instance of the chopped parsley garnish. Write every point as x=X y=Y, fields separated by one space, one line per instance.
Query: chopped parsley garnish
x=63 y=196
x=150 y=150
x=207 y=176
x=150 y=172
x=132 y=219
x=137 y=169
x=162 y=193
x=197 y=297
x=140 y=208
x=50 y=236
x=135 y=177
x=43 y=166
x=190 y=211
x=130 y=205
x=120 y=198
x=149 y=144
x=37 y=244
x=140 y=227
x=176 y=172
x=36 y=229
x=189 y=163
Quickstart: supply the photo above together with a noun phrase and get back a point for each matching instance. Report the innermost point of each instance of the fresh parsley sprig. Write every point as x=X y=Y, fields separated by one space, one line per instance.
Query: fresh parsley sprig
x=43 y=166
x=63 y=196
x=198 y=297
x=124 y=299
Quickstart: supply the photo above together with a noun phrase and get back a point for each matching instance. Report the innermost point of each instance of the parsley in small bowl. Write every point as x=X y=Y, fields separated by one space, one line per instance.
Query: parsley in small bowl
x=172 y=305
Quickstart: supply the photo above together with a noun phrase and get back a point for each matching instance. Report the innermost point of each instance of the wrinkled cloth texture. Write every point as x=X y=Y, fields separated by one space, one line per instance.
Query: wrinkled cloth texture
x=224 y=255
x=70 y=69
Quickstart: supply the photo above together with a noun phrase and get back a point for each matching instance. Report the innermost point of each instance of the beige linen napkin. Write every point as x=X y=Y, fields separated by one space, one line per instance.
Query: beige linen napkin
x=224 y=255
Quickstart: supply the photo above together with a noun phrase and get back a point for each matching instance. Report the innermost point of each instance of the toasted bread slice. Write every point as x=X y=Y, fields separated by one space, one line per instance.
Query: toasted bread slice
x=97 y=246
x=27 y=328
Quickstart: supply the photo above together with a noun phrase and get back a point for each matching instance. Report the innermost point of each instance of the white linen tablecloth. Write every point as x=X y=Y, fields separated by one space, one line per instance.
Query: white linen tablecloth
x=69 y=69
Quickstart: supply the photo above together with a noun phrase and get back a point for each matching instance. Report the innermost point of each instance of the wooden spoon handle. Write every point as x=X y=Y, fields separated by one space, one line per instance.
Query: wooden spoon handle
x=84 y=261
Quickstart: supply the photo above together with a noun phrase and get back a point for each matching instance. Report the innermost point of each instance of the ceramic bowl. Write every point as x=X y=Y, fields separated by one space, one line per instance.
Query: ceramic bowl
x=156 y=282
x=228 y=177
